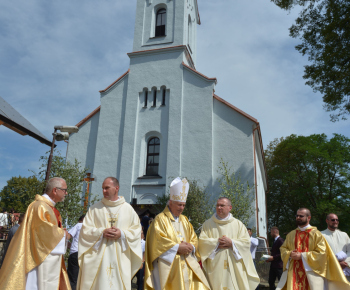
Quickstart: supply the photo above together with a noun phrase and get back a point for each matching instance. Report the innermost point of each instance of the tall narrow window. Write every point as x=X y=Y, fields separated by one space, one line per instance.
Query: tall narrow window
x=189 y=33
x=160 y=22
x=146 y=97
x=153 y=156
x=163 y=97
x=154 y=98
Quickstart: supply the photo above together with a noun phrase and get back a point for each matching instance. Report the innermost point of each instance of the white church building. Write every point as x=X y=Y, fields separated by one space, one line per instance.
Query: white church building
x=161 y=118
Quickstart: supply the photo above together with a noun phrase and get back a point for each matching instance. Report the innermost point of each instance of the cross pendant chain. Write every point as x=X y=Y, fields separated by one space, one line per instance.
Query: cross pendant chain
x=113 y=218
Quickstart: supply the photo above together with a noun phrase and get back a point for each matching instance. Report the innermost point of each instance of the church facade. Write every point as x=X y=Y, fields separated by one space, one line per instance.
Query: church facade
x=161 y=118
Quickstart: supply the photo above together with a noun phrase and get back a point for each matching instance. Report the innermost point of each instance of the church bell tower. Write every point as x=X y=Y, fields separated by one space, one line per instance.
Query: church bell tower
x=166 y=23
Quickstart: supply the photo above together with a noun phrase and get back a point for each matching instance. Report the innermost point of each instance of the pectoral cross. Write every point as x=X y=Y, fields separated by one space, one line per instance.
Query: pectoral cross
x=112 y=221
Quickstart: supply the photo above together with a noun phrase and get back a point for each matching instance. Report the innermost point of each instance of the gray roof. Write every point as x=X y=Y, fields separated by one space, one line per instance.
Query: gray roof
x=13 y=120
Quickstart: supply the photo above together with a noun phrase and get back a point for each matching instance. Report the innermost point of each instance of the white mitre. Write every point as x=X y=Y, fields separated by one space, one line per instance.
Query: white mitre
x=179 y=189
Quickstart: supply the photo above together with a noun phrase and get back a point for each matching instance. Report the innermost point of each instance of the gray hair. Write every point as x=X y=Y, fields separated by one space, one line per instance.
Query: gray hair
x=53 y=183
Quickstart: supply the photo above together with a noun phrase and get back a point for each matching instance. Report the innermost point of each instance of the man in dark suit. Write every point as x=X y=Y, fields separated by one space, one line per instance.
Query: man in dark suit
x=276 y=267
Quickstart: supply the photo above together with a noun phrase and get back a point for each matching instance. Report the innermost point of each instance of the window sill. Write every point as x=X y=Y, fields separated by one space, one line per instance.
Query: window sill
x=157 y=36
x=150 y=177
x=162 y=106
x=153 y=106
x=144 y=107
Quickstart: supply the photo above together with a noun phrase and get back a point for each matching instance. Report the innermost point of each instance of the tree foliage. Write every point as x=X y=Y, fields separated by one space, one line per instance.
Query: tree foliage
x=198 y=206
x=239 y=193
x=324 y=28
x=310 y=172
x=20 y=191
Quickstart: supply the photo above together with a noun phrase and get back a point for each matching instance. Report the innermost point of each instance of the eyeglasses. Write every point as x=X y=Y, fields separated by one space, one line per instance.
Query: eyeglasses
x=334 y=220
x=298 y=215
x=221 y=205
x=63 y=189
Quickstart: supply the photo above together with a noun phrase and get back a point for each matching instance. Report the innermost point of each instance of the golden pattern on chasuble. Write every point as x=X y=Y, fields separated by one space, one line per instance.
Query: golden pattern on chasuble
x=225 y=264
x=110 y=274
x=301 y=243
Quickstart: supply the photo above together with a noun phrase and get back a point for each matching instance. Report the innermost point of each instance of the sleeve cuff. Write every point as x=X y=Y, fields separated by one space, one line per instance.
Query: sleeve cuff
x=98 y=243
x=170 y=254
x=123 y=241
x=304 y=259
x=60 y=249
x=235 y=252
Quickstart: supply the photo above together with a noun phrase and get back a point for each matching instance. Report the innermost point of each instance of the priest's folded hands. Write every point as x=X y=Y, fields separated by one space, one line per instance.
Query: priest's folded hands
x=112 y=233
x=225 y=243
x=185 y=248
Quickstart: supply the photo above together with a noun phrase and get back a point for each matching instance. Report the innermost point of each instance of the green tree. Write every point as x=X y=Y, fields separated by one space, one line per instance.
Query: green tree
x=240 y=194
x=324 y=28
x=20 y=192
x=198 y=207
x=310 y=172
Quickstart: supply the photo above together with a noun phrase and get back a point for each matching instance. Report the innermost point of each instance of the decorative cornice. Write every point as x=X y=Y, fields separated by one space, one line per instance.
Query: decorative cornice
x=163 y=50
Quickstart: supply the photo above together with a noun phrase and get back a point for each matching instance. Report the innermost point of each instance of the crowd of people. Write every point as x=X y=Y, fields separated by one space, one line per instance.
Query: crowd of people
x=110 y=245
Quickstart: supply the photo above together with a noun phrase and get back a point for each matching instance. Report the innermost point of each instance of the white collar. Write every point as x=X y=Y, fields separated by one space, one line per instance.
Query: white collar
x=49 y=198
x=223 y=219
x=304 y=228
x=277 y=238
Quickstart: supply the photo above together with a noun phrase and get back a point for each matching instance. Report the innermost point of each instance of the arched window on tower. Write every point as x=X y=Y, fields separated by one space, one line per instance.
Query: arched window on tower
x=153 y=147
x=160 y=22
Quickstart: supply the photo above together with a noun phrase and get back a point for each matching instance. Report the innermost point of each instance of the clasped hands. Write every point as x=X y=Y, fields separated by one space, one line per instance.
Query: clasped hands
x=225 y=243
x=112 y=233
x=295 y=255
x=184 y=248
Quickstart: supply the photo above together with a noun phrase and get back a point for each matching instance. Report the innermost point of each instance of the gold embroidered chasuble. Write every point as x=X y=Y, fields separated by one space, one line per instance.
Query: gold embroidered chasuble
x=224 y=271
x=34 y=240
x=103 y=262
x=184 y=273
x=318 y=255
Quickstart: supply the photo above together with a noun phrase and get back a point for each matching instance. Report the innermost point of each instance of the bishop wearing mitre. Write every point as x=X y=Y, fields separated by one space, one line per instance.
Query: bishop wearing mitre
x=224 y=246
x=172 y=247
x=109 y=252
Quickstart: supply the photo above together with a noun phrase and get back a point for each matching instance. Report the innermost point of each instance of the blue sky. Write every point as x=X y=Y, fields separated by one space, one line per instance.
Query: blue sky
x=56 y=55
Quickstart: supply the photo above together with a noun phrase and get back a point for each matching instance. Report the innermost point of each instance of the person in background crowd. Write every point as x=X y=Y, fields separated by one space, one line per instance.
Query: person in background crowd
x=3 y=222
x=339 y=242
x=276 y=267
x=140 y=273
x=11 y=234
x=145 y=223
x=73 y=265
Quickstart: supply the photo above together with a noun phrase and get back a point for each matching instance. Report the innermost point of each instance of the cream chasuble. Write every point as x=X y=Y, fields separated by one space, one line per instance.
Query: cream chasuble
x=340 y=243
x=225 y=271
x=184 y=272
x=318 y=267
x=107 y=263
x=32 y=252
